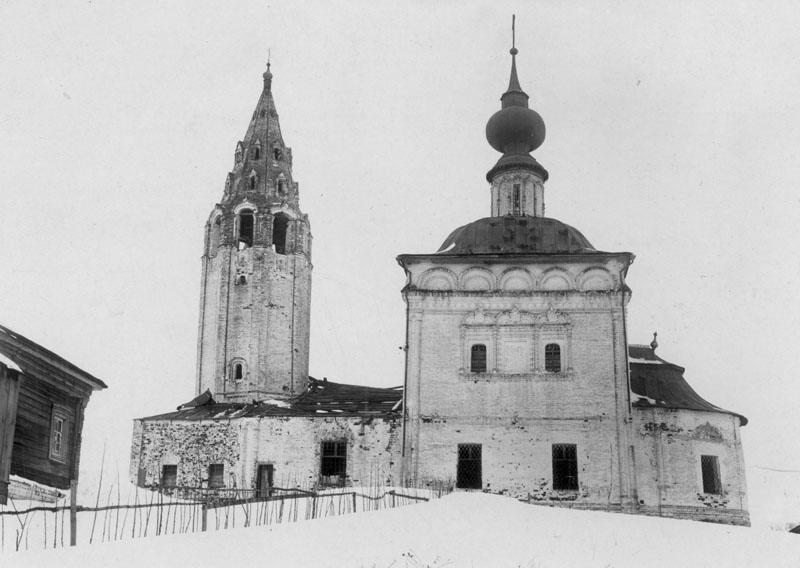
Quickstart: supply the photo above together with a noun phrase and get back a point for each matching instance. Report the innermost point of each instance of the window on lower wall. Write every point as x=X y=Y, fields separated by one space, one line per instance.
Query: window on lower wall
x=333 y=462
x=468 y=474
x=552 y=358
x=711 y=480
x=59 y=434
x=215 y=475
x=565 y=467
x=169 y=475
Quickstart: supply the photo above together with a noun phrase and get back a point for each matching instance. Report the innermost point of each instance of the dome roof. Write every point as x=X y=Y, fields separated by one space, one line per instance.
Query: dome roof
x=515 y=129
x=516 y=234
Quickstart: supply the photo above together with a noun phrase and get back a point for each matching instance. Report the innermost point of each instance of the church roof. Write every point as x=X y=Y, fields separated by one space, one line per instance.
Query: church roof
x=659 y=383
x=516 y=234
x=322 y=398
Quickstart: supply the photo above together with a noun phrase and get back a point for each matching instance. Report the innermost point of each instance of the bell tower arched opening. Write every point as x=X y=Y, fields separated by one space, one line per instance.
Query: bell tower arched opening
x=280 y=227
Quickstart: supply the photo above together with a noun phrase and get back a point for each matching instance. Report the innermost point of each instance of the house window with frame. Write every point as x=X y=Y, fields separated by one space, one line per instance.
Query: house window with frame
x=333 y=462
x=552 y=358
x=58 y=437
x=565 y=467
x=216 y=473
x=169 y=476
x=477 y=361
x=711 y=479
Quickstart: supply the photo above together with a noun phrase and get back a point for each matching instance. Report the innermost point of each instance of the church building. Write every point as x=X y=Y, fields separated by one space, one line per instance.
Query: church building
x=519 y=377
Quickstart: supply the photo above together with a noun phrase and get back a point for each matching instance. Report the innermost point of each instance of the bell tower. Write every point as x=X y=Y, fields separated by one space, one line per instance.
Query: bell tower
x=255 y=296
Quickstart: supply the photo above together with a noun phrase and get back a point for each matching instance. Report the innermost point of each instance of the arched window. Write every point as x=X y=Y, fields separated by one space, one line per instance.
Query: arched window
x=277 y=153
x=280 y=226
x=281 y=187
x=252 y=181
x=477 y=361
x=213 y=243
x=245 y=223
x=256 y=153
x=552 y=358
x=237 y=373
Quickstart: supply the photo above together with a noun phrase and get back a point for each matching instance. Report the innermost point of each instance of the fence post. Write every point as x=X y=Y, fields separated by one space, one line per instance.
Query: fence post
x=204 y=522
x=394 y=504
x=73 y=512
x=354 y=501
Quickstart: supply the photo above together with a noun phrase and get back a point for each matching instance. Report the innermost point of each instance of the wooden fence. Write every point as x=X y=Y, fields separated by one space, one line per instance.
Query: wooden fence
x=46 y=526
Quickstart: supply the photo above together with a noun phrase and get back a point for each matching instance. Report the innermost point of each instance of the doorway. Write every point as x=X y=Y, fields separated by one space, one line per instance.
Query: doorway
x=469 y=467
x=264 y=477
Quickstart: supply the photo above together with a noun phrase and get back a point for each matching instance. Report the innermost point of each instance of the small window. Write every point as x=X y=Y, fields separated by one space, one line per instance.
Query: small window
x=215 y=475
x=565 y=467
x=281 y=187
x=241 y=280
x=238 y=372
x=552 y=358
x=478 y=358
x=711 y=479
x=256 y=153
x=169 y=475
x=246 y=228
x=252 y=182
x=263 y=113
x=277 y=153
x=58 y=438
x=280 y=226
x=333 y=462
x=516 y=199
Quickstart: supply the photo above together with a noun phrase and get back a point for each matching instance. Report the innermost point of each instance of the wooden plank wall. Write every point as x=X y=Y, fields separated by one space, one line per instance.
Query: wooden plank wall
x=9 y=391
x=31 y=453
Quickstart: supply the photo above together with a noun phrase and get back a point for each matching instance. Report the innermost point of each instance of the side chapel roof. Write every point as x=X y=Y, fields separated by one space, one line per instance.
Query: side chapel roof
x=659 y=383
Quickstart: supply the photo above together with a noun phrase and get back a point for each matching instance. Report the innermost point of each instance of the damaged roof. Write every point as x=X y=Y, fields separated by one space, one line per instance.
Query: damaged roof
x=322 y=398
x=516 y=234
x=659 y=383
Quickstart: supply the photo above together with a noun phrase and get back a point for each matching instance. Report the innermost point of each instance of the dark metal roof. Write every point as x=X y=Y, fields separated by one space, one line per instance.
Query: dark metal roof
x=322 y=398
x=659 y=383
x=516 y=234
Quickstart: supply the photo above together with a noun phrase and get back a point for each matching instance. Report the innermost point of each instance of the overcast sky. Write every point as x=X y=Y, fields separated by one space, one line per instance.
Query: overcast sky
x=672 y=133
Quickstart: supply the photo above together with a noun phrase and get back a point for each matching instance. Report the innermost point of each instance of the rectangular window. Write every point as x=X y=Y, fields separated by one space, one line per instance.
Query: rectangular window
x=264 y=477
x=565 y=467
x=333 y=462
x=215 y=475
x=59 y=432
x=169 y=475
x=516 y=199
x=468 y=475
x=711 y=479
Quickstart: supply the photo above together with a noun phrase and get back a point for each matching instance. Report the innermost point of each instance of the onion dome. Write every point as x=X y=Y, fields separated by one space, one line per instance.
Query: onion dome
x=515 y=129
x=516 y=234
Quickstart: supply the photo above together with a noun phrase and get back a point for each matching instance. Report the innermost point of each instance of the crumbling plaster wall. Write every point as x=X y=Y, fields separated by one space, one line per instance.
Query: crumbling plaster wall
x=517 y=456
x=668 y=444
x=292 y=444
x=191 y=445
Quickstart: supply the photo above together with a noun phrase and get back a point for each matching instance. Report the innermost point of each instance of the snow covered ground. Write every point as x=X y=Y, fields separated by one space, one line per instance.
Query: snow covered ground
x=458 y=530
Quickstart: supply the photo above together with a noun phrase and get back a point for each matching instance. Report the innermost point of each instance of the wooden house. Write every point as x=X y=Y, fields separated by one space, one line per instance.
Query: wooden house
x=42 y=401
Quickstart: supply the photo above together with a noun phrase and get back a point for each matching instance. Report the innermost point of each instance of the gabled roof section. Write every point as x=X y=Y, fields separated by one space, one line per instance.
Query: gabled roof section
x=659 y=383
x=322 y=398
x=34 y=360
